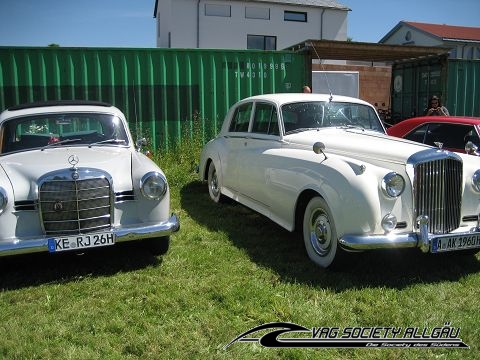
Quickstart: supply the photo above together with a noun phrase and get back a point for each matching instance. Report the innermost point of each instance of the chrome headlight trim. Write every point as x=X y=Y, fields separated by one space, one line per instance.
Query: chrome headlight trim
x=153 y=185
x=393 y=184
x=476 y=181
x=3 y=199
x=389 y=222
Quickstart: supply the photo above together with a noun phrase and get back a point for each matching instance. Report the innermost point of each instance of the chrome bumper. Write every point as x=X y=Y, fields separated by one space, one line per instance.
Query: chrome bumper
x=31 y=245
x=421 y=239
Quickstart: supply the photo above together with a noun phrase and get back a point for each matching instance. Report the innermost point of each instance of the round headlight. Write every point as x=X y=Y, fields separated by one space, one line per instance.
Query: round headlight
x=153 y=185
x=389 y=222
x=476 y=181
x=393 y=184
x=3 y=199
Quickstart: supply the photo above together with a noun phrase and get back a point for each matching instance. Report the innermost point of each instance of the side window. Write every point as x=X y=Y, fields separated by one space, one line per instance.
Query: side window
x=450 y=135
x=265 y=120
x=418 y=134
x=473 y=137
x=241 y=118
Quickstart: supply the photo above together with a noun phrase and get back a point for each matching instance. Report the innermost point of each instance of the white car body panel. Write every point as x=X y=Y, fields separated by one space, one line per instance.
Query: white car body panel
x=271 y=173
x=132 y=215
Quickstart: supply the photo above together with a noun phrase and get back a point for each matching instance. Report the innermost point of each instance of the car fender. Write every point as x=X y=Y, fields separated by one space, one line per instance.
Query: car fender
x=148 y=210
x=211 y=152
x=350 y=188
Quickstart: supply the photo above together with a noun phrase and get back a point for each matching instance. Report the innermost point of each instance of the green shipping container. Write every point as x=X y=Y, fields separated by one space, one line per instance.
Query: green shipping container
x=165 y=93
x=457 y=82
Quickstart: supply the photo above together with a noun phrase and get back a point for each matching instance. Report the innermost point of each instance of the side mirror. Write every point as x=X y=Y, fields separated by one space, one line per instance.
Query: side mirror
x=141 y=143
x=318 y=148
x=471 y=148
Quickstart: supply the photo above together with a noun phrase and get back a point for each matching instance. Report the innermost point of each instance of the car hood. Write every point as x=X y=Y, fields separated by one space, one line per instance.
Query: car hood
x=359 y=144
x=24 y=168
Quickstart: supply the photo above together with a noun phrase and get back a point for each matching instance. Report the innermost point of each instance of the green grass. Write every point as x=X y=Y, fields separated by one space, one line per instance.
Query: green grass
x=228 y=270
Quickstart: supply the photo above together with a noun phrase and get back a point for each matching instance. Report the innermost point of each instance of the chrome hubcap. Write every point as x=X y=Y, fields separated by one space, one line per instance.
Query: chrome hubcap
x=214 y=184
x=320 y=233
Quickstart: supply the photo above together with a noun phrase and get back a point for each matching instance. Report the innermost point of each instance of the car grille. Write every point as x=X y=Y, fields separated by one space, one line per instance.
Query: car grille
x=438 y=193
x=72 y=207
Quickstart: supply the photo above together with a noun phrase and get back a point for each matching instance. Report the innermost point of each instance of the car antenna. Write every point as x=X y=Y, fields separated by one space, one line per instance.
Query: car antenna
x=324 y=73
x=135 y=110
x=140 y=142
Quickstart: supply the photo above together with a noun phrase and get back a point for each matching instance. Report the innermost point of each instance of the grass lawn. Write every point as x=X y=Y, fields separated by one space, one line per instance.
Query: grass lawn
x=228 y=270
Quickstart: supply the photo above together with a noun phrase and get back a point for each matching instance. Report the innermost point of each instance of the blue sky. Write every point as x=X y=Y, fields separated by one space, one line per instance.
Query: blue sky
x=130 y=23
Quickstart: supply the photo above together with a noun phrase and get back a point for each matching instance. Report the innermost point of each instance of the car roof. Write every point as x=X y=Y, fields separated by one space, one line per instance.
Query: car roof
x=58 y=106
x=57 y=103
x=453 y=119
x=284 y=98
x=408 y=124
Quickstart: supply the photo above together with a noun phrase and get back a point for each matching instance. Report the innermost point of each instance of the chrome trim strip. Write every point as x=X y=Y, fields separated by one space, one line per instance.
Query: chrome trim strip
x=421 y=240
x=129 y=233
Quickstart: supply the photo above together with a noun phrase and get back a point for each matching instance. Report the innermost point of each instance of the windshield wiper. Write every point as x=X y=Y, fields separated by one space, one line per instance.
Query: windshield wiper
x=350 y=126
x=294 y=131
x=61 y=142
x=108 y=141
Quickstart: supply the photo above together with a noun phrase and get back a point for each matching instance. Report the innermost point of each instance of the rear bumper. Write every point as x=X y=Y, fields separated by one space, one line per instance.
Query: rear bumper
x=137 y=232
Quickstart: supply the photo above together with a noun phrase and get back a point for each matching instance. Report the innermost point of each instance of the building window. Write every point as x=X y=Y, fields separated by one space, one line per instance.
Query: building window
x=261 y=42
x=218 y=10
x=295 y=16
x=469 y=53
x=257 y=13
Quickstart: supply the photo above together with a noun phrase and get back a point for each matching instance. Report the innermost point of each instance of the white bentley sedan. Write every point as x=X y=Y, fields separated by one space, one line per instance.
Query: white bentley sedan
x=323 y=165
x=71 y=179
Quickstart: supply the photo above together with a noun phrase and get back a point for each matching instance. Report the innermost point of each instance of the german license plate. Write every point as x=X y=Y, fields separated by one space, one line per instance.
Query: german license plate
x=79 y=242
x=453 y=243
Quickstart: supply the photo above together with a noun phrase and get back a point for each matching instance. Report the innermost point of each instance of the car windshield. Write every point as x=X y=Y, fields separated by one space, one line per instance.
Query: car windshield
x=302 y=116
x=50 y=130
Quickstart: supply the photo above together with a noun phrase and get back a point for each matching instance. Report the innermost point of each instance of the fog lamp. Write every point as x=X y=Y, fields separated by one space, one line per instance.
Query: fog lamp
x=389 y=222
x=3 y=199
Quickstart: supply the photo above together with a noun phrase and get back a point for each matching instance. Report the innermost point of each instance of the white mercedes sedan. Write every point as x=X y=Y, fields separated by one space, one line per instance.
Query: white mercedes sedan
x=71 y=179
x=324 y=166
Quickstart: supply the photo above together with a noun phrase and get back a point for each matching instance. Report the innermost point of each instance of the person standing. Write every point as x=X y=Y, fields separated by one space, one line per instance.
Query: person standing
x=306 y=89
x=435 y=107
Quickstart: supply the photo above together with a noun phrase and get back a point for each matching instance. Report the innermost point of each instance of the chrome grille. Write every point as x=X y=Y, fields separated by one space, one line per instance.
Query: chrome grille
x=72 y=207
x=438 y=193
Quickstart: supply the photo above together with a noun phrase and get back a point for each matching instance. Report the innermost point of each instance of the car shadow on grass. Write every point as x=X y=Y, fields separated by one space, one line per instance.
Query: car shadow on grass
x=19 y=271
x=269 y=245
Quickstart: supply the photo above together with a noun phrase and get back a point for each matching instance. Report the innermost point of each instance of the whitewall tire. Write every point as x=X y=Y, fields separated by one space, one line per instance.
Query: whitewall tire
x=214 y=183
x=319 y=233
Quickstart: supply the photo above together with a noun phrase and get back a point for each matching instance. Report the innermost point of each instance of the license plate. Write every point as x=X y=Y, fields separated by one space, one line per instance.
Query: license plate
x=78 y=242
x=453 y=243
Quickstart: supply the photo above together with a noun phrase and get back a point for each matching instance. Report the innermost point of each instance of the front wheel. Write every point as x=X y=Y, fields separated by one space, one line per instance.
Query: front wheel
x=319 y=233
x=214 y=184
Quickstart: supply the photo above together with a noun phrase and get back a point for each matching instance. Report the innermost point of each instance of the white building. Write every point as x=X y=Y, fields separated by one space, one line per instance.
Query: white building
x=463 y=41
x=260 y=24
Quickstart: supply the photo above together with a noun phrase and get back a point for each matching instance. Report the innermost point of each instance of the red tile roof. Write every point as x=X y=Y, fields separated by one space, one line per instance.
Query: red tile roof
x=448 y=31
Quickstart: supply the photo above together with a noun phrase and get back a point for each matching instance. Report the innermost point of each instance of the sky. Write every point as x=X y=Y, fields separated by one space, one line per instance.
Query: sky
x=130 y=23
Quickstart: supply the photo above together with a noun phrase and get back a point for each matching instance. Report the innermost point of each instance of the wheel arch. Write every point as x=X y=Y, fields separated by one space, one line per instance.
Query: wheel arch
x=204 y=170
x=302 y=202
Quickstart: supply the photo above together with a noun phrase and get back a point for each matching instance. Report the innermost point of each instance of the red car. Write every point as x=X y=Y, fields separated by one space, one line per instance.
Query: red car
x=448 y=132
